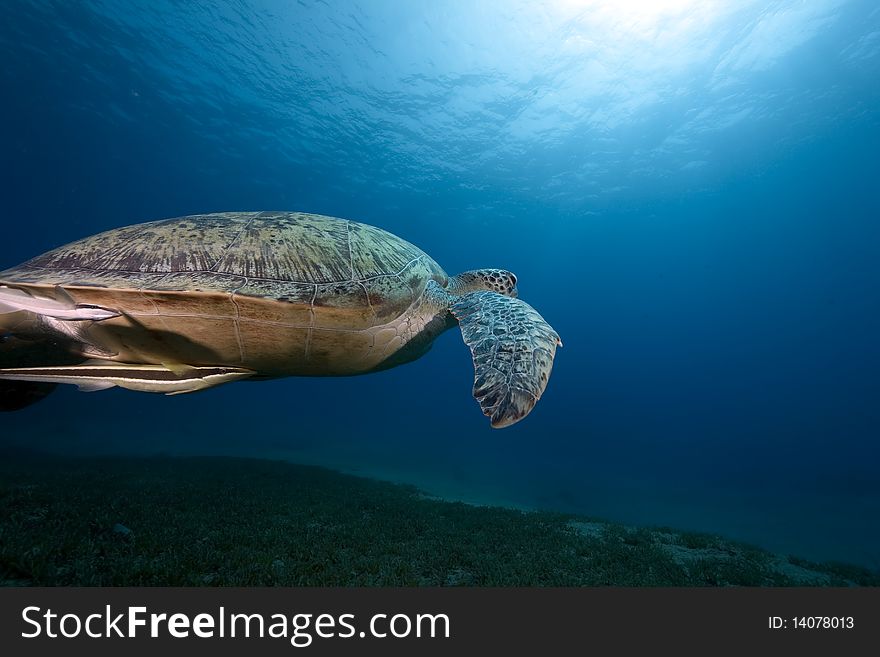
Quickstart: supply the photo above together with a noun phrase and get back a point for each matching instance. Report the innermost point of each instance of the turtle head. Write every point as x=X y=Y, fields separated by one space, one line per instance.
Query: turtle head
x=494 y=280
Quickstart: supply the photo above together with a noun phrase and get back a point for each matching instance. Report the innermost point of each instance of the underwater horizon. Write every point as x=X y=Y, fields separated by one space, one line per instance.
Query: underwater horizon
x=686 y=191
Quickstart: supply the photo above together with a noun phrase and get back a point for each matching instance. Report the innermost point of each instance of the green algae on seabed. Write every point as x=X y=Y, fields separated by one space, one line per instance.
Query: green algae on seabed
x=246 y=522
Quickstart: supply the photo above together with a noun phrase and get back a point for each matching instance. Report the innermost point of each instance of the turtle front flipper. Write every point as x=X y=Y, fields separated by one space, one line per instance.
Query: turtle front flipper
x=513 y=349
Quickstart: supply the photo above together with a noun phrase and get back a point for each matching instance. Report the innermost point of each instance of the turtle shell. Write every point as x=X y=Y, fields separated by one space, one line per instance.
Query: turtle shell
x=268 y=272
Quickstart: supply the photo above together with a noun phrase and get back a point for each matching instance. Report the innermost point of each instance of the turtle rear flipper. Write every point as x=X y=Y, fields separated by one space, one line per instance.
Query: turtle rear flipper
x=513 y=349
x=16 y=395
x=16 y=351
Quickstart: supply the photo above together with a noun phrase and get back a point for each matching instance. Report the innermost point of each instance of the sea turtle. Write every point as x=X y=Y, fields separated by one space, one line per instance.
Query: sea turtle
x=183 y=304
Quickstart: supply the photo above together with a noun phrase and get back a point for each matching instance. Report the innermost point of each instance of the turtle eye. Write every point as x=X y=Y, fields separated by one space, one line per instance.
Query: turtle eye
x=513 y=280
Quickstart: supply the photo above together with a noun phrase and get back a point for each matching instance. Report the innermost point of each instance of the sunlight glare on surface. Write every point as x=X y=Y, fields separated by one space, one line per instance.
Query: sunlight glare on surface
x=636 y=18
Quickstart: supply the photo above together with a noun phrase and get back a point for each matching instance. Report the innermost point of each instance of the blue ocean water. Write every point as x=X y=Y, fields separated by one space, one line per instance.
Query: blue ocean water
x=687 y=191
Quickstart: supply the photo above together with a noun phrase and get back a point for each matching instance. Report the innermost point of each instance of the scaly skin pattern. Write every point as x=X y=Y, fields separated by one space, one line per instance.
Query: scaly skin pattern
x=477 y=280
x=513 y=350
